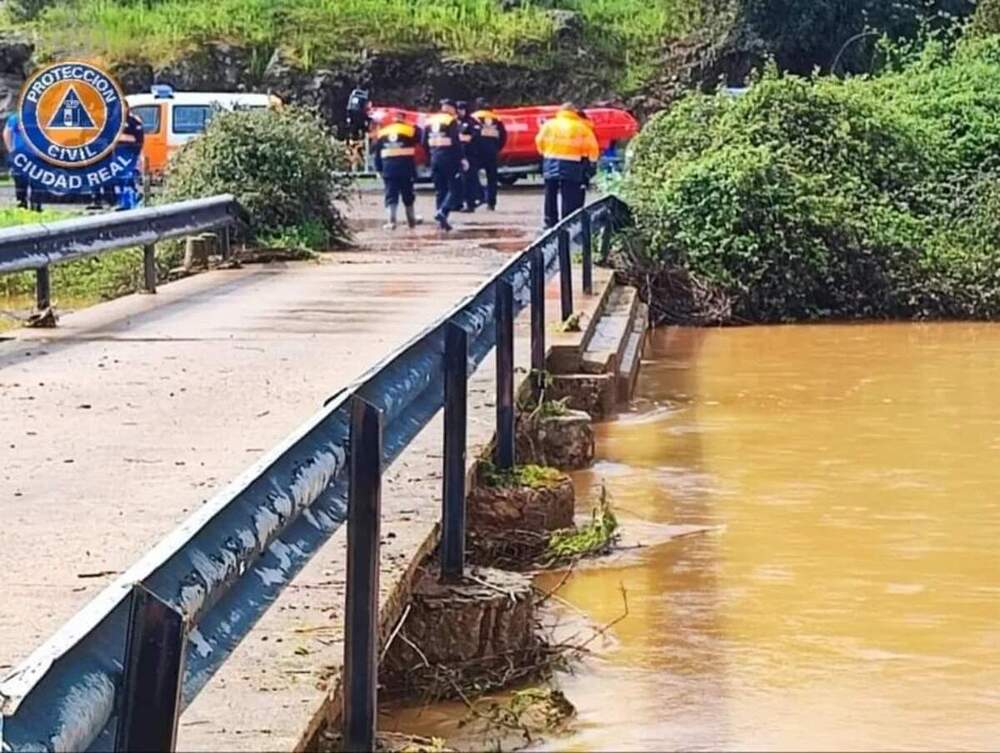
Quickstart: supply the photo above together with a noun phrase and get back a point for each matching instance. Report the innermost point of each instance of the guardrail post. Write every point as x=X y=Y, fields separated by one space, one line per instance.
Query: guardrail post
x=154 y=670
x=588 y=254
x=149 y=268
x=225 y=242
x=565 y=275
x=505 y=373
x=456 y=375
x=43 y=288
x=538 y=317
x=361 y=609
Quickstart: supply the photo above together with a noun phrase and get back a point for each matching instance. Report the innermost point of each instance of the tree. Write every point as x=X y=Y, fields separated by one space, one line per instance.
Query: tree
x=806 y=35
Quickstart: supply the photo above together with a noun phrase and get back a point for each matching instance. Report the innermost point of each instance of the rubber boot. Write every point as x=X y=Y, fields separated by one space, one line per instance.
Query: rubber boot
x=391 y=224
x=411 y=216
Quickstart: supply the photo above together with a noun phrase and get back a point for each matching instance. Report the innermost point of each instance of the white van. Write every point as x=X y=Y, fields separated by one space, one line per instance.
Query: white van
x=171 y=119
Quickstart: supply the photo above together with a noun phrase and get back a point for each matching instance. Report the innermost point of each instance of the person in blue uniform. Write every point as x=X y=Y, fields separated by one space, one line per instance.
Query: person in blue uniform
x=468 y=132
x=395 y=158
x=492 y=138
x=13 y=141
x=130 y=146
x=448 y=160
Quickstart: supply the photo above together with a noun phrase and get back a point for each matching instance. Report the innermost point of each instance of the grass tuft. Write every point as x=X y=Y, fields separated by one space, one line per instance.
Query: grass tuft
x=531 y=476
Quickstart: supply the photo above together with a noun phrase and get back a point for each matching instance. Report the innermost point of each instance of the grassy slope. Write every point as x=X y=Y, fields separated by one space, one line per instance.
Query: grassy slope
x=624 y=34
x=99 y=277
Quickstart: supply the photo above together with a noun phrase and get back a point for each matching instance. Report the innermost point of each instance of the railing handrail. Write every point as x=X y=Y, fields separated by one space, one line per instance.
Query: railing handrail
x=230 y=548
x=38 y=245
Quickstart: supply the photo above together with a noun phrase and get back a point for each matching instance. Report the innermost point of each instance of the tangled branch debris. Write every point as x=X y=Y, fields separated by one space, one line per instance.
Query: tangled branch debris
x=522 y=550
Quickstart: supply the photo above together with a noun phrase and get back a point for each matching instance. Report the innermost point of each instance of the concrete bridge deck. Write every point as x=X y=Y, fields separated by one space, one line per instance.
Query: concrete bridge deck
x=119 y=424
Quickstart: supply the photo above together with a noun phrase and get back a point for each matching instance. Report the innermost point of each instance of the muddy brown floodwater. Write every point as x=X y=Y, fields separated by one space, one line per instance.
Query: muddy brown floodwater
x=849 y=598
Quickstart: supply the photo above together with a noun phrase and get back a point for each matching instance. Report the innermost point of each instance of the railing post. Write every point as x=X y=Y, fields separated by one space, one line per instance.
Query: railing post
x=505 y=373
x=588 y=254
x=456 y=375
x=153 y=674
x=606 y=237
x=43 y=288
x=149 y=268
x=225 y=242
x=361 y=609
x=565 y=275
x=538 y=316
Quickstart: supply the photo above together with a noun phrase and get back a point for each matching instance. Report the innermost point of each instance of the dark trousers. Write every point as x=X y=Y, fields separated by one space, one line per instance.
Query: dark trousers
x=572 y=194
x=492 y=182
x=397 y=188
x=20 y=189
x=447 y=187
x=472 y=187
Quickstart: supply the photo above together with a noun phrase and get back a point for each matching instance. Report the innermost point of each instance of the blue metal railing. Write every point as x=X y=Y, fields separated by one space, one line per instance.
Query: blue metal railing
x=117 y=675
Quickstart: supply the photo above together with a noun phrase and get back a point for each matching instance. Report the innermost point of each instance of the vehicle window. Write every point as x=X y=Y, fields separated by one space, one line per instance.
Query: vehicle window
x=192 y=118
x=150 y=117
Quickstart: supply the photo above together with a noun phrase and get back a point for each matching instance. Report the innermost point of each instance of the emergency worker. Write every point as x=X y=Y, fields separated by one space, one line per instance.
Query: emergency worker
x=492 y=138
x=569 y=152
x=13 y=141
x=468 y=132
x=448 y=161
x=129 y=146
x=395 y=158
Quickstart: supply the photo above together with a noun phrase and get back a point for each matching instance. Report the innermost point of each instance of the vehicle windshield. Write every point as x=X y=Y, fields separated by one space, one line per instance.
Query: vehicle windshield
x=150 y=117
x=192 y=118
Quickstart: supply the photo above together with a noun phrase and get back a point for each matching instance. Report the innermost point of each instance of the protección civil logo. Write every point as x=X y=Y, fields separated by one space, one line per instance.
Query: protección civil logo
x=71 y=115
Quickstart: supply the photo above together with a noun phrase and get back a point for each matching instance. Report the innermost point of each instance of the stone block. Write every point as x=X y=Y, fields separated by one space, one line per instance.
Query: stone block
x=592 y=393
x=565 y=442
x=546 y=508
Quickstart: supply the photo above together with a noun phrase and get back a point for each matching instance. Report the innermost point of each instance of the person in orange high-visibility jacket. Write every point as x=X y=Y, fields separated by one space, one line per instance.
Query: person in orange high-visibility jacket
x=569 y=152
x=395 y=159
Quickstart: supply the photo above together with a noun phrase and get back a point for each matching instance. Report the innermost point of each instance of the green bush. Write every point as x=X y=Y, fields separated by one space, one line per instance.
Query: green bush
x=280 y=165
x=813 y=199
x=807 y=35
x=987 y=18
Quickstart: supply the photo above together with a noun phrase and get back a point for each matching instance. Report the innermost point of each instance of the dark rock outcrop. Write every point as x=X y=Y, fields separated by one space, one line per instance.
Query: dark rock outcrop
x=15 y=63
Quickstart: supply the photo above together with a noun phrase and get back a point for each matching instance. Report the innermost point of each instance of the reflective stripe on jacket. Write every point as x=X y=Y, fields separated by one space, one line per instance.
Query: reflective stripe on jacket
x=396 y=150
x=441 y=137
x=492 y=133
x=565 y=142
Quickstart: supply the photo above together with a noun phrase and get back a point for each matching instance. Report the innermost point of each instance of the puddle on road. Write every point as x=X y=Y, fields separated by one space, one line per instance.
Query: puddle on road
x=509 y=247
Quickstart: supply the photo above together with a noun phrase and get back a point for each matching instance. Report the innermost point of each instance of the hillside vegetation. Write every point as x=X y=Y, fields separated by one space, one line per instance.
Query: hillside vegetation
x=806 y=199
x=624 y=33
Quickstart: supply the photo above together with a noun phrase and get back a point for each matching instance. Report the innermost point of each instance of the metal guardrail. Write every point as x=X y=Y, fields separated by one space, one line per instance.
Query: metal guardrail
x=118 y=674
x=39 y=246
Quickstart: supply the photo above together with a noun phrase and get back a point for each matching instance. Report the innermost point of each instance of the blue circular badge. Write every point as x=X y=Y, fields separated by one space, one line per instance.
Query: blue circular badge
x=71 y=116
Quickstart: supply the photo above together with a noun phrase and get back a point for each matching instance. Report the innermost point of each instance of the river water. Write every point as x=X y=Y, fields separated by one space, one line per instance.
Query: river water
x=847 y=594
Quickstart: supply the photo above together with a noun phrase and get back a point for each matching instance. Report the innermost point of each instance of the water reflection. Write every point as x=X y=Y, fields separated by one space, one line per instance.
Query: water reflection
x=850 y=599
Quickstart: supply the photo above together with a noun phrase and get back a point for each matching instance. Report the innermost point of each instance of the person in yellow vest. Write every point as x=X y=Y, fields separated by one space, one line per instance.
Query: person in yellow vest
x=448 y=160
x=569 y=152
x=492 y=138
x=395 y=158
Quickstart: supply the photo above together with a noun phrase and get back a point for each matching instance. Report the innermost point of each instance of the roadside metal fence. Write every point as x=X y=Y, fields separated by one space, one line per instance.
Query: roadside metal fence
x=119 y=673
x=38 y=246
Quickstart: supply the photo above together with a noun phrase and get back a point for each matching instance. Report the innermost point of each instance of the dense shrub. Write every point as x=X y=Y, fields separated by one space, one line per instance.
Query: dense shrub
x=810 y=199
x=807 y=35
x=987 y=18
x=281 y=167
